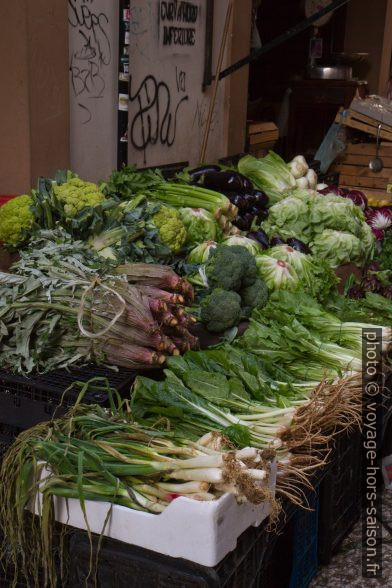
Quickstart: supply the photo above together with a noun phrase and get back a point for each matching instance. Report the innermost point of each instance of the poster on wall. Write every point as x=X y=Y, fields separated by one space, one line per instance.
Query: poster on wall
x=167 y=105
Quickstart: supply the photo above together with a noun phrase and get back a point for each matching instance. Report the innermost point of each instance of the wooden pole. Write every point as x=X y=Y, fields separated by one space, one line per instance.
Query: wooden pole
x=216 y=82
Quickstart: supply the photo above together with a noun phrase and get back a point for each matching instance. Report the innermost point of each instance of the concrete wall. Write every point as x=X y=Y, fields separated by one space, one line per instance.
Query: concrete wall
x=33 y=92
x=93 y=86
x=168 y=108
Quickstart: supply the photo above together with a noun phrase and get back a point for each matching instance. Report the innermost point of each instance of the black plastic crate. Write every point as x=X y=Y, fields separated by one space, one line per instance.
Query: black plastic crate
x=8 y=434
x=7 y=568
x=26 y=401
x=340 y=495
x=123 y=566
x=304 y=564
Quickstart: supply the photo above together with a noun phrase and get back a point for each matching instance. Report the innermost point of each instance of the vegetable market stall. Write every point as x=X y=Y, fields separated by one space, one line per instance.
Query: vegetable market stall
x=127 y=274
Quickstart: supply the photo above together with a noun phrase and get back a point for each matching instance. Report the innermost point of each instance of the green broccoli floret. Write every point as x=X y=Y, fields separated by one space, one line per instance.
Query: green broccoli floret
x=220 y=310
x=171 y=228
x=16 y=218
x=231 y=268
x=76 y=194
x=254 y=296
x=250 y=272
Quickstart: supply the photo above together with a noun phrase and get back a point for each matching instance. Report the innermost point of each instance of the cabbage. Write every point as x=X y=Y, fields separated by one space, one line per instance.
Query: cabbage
x=334 y=212
x=300 y=262
x=276 y=273
x=289 y=218
x=201 y=253
x=269 y=174
x=338 y=247
x=200 y=225
x=250 y=244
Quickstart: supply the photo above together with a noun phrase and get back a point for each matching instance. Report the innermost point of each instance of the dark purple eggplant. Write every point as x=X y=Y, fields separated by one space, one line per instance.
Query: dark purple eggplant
x=261 y=237
x=237 y=200
x=248 y=218
x=261 y=199
x=240 y=223
x=196 y=173
x=248 y=186
x=277 y=240
x=262 y=215
x=249 y=200
x=254 y=210
x=298 y=245
x=227 y=181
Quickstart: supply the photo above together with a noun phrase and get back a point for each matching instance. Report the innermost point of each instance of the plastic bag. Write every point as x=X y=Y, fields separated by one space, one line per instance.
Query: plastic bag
x=332 y=145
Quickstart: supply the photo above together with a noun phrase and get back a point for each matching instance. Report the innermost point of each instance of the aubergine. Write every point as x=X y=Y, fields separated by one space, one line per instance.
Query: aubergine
x=196 y=173
x=227 y=181
x=261 y=199
x=277 y=240
x=249 y=200
x=261 y=237
x=298 y=245
x=237 y=199
x=240 y=223
x=262 y=215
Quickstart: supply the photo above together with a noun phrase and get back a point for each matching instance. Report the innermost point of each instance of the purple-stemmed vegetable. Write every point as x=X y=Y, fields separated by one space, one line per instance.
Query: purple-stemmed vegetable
x=261 y=199
x=298 y=245
x=358 y=198
x=356 y=292
x=277 y=240
x=374 y=266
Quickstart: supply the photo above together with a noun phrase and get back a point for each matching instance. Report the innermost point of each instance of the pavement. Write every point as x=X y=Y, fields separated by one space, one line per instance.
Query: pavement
x=344 y=570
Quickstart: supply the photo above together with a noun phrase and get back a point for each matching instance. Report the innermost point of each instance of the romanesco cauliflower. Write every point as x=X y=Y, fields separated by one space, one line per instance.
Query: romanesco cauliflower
x=171 y=228
x=76 y=194
x=16 y=218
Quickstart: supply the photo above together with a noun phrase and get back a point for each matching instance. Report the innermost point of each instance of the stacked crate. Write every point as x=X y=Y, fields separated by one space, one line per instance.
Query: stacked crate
x=262 y=136
x=353 y=167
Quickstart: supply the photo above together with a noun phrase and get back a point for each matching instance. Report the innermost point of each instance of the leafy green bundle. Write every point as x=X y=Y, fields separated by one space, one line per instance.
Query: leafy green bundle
x=60 y=308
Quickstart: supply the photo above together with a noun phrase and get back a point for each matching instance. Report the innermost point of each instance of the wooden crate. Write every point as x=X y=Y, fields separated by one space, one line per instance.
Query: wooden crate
x=353 y=166
x=262 y=136
x=366 y=124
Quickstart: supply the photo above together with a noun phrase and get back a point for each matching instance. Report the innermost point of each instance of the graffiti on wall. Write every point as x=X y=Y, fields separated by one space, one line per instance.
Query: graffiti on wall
x=156 y=107
x=91 y=55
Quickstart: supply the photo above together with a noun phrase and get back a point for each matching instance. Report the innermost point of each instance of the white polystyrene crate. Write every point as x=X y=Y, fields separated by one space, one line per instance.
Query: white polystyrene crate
x=199 y=531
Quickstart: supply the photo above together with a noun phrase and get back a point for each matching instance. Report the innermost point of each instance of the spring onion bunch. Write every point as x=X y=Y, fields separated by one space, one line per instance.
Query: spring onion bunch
x=100 y=454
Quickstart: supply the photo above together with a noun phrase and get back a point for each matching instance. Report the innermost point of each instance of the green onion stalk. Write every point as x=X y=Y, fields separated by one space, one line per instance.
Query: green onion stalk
x=100 y=454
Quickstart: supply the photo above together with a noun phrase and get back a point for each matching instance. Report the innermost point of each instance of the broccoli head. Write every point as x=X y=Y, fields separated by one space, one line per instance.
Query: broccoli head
x=172 y=231
x=220 y=310
x=231 y=268
x=16 y=217
x=254 y=296
x=76 y=194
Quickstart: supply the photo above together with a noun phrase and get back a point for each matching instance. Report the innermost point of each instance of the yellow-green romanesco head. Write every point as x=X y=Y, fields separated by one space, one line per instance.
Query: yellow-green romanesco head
x=171 y=228
x=16 y=218
x=76 y=194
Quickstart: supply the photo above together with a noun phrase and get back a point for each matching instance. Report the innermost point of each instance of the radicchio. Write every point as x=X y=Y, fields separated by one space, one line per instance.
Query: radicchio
x=358 y=198
x=333 y=189
x=380 y=219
